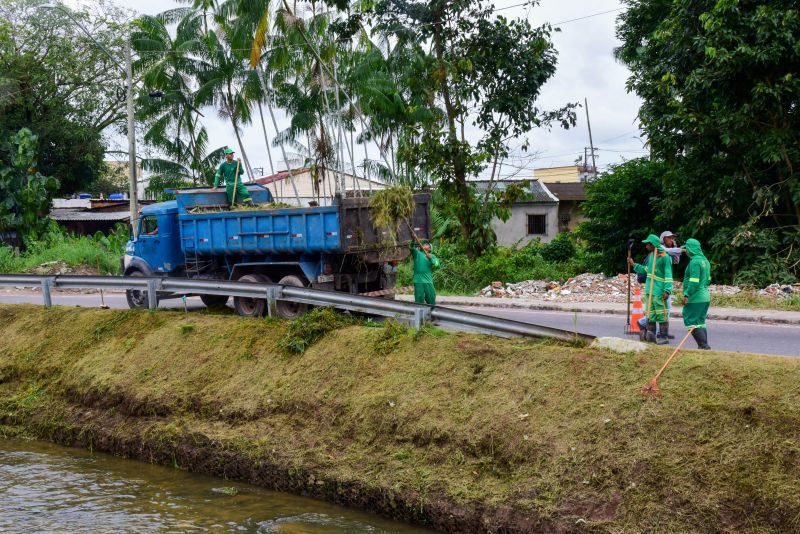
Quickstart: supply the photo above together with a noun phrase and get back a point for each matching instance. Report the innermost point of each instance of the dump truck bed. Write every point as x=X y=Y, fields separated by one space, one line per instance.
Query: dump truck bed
x=208 y=228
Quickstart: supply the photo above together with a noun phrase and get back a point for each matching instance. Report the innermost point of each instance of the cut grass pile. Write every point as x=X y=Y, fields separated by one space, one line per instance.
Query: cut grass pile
x=509 y=428
x=392 y=207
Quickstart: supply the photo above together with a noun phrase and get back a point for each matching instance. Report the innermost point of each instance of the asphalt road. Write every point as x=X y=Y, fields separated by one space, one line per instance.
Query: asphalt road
x=734 y=336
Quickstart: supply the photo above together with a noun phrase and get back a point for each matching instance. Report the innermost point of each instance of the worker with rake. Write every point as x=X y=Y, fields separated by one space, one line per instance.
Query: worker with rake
x=424 y=263
x=657 y=289
x=696 y=298
x=230 y=174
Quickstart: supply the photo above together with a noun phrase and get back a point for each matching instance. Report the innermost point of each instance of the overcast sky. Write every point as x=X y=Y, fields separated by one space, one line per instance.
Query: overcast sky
x=586 y=69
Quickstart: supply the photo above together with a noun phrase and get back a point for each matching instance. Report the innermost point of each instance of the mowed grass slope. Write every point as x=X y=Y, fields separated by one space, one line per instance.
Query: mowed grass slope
x=518 y=432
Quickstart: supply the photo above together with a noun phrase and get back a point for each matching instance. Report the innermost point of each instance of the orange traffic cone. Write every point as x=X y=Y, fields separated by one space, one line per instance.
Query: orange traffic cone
x=636 y=311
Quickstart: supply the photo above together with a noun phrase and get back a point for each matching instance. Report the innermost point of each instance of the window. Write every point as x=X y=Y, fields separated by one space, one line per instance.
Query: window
x=537 y=224
x=149 y=226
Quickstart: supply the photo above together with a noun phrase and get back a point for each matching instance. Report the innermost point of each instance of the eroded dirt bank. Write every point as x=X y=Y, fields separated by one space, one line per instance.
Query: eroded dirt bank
x=461 y=432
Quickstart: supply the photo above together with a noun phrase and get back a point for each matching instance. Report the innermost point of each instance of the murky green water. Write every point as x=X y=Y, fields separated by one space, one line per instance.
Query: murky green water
x=47 y=488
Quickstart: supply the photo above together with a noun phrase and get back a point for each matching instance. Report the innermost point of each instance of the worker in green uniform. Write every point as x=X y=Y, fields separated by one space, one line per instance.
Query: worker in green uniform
x=657 y=289
x=424 y=263
x=695 y=293
x=226 y=174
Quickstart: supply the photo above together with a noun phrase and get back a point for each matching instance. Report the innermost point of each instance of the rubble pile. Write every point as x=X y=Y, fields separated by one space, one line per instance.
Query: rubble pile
x=589 y=287
x=780 y=290
x=56 y=268
x=723 y=289
x=586 y=287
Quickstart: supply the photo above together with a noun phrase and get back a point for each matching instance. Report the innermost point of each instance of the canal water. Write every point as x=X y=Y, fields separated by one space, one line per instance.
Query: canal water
x=47 y=488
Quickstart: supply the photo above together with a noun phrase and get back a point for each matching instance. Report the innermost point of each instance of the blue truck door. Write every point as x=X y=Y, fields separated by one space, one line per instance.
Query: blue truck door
x=148 y=243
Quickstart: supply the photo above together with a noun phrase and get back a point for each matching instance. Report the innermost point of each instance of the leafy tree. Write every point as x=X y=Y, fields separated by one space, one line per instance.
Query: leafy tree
x=623 y=203
x=720 y=87
x=56 y=81
x=487 y=71
x=25 y=193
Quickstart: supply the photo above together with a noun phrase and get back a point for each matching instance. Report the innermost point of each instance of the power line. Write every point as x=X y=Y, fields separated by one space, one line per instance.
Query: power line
x=589 y=16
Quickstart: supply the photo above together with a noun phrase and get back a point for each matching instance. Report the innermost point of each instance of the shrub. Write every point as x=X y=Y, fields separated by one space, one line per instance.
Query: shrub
x=559 y=249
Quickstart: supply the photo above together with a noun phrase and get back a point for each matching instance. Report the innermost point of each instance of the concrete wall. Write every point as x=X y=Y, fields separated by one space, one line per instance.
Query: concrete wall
x=515 y=229
x=571 y=210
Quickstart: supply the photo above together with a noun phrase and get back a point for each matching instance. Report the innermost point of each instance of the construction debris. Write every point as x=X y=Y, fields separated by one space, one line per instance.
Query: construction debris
x=589 y=287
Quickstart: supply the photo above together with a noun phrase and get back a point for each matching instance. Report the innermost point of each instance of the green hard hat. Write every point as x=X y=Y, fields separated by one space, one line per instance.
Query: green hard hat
x=228 y=151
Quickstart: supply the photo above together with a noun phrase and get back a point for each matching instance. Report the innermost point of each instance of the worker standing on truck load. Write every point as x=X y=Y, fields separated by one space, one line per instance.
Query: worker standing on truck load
x=227 y=173
x=696 y=298
x=424 y=263
x=657 y=289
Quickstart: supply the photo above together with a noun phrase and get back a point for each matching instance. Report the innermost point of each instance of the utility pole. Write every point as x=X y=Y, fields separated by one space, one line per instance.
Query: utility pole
x=132 y=185
x=591 y=143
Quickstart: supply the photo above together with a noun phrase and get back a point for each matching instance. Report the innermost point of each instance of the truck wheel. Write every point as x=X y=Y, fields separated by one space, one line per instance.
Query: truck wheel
x=137 y=298
x=214 y=301
x=288 y=309
x=250 y=307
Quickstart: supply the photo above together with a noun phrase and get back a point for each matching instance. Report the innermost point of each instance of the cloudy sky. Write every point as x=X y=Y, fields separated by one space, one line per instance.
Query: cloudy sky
x=586 y=69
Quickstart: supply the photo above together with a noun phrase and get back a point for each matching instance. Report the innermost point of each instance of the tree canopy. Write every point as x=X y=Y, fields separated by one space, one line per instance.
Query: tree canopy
x=24 y=192
x=57 y=82
x=720 y=81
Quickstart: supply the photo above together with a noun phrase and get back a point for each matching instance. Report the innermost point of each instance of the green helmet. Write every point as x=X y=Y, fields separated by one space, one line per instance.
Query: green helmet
x=228 y=151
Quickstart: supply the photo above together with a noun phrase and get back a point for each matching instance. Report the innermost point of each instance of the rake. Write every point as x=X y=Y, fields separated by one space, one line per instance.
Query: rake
x=652 y=387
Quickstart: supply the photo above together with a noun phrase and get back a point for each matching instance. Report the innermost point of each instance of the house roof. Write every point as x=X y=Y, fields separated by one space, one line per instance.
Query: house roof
x=537 y=191
x=568 y=190
x=72 y=214
x=282 y=175
x=278 y=176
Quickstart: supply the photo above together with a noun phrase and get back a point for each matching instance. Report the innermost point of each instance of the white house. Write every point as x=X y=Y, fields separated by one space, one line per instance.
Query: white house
x=319 y=186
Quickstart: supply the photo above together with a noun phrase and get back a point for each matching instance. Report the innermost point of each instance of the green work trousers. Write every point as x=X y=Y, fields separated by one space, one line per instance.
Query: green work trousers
x=694 y=314
x=242 y=195
x=658 y=309
x=424 y=294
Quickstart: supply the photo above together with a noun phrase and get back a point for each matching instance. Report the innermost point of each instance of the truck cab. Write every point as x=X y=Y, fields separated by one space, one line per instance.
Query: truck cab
x=156 y=248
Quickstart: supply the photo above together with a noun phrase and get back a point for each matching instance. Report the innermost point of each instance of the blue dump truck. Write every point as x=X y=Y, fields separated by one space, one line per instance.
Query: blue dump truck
x=332 y=247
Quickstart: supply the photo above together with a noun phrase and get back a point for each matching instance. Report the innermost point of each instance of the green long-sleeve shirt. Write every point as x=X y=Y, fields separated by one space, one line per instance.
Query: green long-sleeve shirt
x=698 y=274
x=225 y=173
x=661 y=280
x=423 y=267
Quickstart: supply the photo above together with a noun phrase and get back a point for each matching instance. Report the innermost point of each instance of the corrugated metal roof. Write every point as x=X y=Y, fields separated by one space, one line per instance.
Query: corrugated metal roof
x=83 y=215
x=537 y=191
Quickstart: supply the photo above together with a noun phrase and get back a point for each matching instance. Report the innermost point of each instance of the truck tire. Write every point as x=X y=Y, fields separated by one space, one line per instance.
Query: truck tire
x=137 y=298
x=250 y=307
x=214 y=301
x=288 y=309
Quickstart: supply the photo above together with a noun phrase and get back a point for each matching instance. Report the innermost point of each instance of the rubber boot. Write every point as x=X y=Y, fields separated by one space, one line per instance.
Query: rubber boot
x=700 y=335
x=663 y=334
x=651 y=333
x=642 y=323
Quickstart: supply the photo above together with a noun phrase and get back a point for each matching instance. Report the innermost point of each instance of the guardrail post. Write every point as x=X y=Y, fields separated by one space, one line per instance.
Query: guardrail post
x=421 y=316
x=47 y=283
x=152 y=296
x=272 y=295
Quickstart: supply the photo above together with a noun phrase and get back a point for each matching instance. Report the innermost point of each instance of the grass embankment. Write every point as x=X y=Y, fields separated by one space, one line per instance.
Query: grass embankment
x=465 y=432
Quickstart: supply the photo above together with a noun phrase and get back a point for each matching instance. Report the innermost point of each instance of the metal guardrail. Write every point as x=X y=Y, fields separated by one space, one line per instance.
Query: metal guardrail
x=415 y=314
